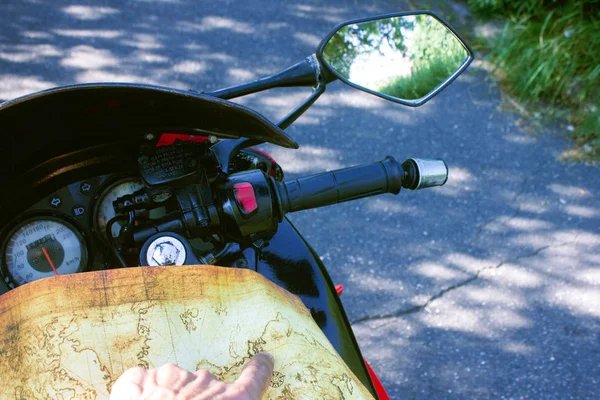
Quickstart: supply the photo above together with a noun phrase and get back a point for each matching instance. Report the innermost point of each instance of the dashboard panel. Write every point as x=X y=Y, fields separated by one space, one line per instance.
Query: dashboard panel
x=58 y=230
x=42 y=246
x=66 y=231
x=63 y=232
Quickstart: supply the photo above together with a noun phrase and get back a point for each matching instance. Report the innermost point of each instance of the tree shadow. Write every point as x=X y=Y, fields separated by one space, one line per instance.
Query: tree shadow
x=486 y=287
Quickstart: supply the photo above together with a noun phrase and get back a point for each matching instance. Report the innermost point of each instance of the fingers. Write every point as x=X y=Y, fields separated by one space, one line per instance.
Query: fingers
x=166 y=382
x=171 y=381
x=256 y=375
x=203 y=375
x=171 y=376
x=129 y=385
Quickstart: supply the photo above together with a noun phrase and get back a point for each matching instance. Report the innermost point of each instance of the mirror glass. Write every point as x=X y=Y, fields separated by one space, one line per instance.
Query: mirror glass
x=405 y=57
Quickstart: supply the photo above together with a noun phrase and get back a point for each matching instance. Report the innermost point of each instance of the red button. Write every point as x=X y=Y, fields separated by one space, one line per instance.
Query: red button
x=244 y=195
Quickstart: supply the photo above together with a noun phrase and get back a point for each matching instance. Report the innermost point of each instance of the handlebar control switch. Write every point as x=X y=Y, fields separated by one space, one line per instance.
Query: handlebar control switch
x=421 y=173
x=245 y=197
x=247 y=205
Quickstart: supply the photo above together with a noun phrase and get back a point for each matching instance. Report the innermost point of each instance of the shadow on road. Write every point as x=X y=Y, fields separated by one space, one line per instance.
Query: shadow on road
x=487 y=287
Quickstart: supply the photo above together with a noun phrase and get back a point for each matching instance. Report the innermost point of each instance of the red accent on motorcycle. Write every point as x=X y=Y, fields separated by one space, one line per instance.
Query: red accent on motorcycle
x=245 y=197
x=339 y=289
x=167 y=139
x=381 y=393
x=264 y=153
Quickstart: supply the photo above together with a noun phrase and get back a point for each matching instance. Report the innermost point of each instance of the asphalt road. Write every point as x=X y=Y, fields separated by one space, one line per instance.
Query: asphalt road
x=488 y=287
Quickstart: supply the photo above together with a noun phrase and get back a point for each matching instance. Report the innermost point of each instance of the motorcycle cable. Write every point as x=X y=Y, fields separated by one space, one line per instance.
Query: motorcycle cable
x=111 y=240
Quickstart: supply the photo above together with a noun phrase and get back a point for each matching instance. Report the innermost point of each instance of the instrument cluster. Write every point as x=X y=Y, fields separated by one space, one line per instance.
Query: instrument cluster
x=65 y=232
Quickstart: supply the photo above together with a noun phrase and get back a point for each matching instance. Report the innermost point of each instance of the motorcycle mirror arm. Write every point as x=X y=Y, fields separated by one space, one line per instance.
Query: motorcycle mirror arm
x=305 y=73
x=225 y=150
x=298 y=111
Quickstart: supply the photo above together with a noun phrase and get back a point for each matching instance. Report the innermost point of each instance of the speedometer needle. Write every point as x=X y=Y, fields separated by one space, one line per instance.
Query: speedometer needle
x=49 y=260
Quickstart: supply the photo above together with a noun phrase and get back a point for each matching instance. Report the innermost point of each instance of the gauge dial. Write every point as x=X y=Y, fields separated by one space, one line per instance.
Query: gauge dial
x=104 y=207
x=43 y=247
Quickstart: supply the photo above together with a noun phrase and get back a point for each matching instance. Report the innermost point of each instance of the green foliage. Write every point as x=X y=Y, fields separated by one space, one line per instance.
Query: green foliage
x=548 y=52
x=435 y=56
x=352 y=41
x=587 y=134
x=555 y=59
x=537 y=8
x=422 y=80
x=421 y=52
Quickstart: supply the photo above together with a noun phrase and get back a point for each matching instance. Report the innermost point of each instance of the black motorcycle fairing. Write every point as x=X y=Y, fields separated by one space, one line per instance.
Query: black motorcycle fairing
x=58 y=136
x=291 y=263
x=80 y=116
x=287 y=260
x=41 y=180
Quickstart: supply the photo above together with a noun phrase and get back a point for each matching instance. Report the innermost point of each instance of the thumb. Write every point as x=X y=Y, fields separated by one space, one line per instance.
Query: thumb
x=256 y=375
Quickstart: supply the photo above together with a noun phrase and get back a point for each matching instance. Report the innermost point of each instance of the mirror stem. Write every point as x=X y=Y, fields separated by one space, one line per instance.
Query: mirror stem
x=304 y=73
x=292 y=116
x=226 y=149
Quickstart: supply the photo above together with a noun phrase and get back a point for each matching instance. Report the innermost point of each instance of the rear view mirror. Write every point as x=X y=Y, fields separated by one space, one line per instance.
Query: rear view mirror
x=406 y=57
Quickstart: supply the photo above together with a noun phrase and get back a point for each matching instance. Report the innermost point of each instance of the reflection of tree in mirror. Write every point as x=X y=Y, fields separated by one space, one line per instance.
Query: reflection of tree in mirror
x=353 y=41
x=405 y=57
x=435 y=54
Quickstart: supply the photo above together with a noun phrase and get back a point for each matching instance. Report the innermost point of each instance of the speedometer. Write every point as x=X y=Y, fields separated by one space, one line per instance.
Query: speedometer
x=43 y=247
x=104 y=210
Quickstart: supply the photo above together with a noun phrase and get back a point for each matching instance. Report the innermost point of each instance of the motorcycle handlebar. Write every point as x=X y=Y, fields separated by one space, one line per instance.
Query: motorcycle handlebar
x=386 y=176
x=342 y=185
x=254 y=203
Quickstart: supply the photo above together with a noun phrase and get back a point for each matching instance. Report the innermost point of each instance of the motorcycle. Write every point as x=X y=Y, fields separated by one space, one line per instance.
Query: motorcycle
x=128 y=175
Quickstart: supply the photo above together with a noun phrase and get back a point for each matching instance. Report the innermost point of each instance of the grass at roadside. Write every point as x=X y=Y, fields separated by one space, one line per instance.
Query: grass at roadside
x=547 y=57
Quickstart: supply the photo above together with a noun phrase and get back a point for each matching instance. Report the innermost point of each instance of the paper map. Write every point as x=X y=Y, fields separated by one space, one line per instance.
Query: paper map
x=71 y=337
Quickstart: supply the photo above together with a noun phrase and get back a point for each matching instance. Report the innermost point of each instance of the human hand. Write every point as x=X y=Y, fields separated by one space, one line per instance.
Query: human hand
x=170 y=382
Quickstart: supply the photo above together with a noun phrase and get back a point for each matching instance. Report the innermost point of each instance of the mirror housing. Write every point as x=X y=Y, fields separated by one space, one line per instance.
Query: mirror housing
x=406 y=57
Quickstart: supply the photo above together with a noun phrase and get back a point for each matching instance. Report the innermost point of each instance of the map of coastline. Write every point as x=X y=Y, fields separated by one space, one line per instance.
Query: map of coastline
x=71 y=337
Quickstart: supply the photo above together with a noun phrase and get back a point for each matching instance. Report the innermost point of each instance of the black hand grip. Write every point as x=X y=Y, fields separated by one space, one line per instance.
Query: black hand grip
x=341 y=185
